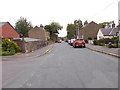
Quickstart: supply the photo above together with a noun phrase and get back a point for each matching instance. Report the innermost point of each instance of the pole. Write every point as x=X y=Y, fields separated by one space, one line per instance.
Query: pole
x=119 y=34
x=23 y=44
x=78 y=32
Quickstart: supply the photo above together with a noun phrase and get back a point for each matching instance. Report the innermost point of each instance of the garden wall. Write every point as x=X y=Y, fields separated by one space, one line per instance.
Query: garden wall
x=30 y=44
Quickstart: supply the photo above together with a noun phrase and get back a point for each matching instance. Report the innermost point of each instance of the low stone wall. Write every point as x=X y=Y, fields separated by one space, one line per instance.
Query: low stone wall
x=30 y=46
x=34 y=45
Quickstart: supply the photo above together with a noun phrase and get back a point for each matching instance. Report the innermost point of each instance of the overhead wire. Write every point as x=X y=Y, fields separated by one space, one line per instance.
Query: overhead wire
x=110 y=4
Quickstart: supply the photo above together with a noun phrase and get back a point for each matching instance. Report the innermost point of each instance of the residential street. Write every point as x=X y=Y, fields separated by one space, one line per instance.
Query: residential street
x=63 y=67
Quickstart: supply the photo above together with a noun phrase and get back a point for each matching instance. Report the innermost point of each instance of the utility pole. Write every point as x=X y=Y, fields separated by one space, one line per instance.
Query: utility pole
x=23 y=43
x=119 y=34
x=78 y=31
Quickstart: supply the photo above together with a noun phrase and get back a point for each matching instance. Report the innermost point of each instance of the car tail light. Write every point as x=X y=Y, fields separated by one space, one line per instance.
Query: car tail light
x=83 y=42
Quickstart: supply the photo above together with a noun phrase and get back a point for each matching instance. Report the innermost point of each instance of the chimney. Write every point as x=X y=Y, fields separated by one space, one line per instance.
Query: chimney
x=85 y=23
x=41 y=26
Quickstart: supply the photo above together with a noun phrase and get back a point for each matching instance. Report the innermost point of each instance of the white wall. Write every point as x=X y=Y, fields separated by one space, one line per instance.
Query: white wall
x=100 y=35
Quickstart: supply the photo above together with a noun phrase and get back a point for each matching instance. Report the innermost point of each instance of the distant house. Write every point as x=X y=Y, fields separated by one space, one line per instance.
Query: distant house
x=39 y=33
x=89 y=30
x=7 y=31
x=107 y=33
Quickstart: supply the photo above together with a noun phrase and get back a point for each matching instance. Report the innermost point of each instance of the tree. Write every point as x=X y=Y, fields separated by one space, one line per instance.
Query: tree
x=103 y=25
x=22 y=27
x=53 y=29
x=78 y=23
x=73 y=29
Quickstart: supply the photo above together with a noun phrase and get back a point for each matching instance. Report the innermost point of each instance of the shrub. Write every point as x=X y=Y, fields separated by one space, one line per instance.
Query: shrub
x=9 y=47
x=5 y=53
x=86 y=41
x=95 y=42
x=101 y=44
x=12 y=52
x=89 y=38
x=107 y=40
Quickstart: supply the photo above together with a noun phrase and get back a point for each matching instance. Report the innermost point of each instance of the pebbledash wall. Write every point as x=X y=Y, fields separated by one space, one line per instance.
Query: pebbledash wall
x=29 y=44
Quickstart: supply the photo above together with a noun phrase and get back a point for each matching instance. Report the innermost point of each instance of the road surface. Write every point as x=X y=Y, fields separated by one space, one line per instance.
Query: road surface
x=63 y=67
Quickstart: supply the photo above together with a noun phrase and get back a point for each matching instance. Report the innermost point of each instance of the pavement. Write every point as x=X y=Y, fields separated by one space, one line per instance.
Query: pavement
x=109 y=51
x=36 y=53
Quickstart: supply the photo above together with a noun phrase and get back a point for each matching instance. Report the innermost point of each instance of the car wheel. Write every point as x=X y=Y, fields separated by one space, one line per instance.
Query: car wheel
x=74 y=46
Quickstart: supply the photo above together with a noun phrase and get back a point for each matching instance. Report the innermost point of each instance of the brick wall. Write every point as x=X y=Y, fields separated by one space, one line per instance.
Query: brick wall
x=39 y=33
x=90 y=31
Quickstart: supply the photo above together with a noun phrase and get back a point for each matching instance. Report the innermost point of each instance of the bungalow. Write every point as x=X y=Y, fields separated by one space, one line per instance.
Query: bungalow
x=89 y=30
x=39 y=33
x=107 y=33
x=7 y=31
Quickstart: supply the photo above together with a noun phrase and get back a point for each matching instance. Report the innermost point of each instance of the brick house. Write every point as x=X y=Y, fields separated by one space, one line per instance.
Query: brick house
x=39 y=33
x=89 y=30
x=7 y=31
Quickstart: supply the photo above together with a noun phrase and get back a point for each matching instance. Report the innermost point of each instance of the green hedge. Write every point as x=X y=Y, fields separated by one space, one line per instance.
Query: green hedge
x=102 y=42
x=96 y=42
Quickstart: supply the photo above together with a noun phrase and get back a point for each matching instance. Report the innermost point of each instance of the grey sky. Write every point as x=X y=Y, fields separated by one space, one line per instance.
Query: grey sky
x=62 y=11
x=119 y=10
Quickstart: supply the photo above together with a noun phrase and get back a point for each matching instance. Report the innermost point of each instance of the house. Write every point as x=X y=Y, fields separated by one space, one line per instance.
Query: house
x=39 y=33
x=107 y=33
x=89 y=30
x=7 y=31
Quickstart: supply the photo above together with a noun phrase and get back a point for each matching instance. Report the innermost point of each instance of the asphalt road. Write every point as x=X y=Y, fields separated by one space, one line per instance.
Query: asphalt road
x=63 y=67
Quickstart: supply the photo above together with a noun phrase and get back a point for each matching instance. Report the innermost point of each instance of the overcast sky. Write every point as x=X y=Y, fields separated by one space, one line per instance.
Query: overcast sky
x=61 y=11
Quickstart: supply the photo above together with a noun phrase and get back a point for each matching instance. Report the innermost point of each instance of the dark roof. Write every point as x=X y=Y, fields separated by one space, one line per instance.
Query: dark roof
x=109 y=31
x=115 y=30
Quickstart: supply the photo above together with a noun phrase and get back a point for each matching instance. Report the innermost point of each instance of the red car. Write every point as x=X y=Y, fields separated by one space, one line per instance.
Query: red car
x=79 y=43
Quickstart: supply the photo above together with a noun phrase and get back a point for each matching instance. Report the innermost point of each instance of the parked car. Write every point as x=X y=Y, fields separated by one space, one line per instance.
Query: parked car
x=68 y=41
x=79 y=43
x=71 y=41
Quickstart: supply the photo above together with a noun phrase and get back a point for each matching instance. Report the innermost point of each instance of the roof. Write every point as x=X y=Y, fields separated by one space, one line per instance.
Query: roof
x=2 y=23
x=37 y=28
x=7 y=30
x=109 y=31
x=89 y=24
